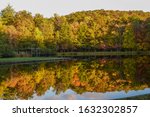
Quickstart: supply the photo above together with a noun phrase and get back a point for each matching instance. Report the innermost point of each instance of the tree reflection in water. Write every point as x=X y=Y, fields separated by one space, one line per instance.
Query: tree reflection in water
x=100 y=75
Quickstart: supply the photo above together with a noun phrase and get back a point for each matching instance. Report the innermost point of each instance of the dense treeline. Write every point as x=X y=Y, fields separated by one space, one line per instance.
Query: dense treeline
x=22 y=34
x=103 y=75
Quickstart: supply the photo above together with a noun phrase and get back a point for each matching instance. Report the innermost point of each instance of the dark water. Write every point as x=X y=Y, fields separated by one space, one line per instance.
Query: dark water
x=104 y=78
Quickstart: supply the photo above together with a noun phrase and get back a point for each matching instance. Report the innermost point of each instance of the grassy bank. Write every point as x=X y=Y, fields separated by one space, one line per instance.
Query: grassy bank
x=65 y=56
x=109 y=53
x=29 y=59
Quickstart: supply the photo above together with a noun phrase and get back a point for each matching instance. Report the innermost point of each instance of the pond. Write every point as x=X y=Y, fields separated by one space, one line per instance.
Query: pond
x=101 y=78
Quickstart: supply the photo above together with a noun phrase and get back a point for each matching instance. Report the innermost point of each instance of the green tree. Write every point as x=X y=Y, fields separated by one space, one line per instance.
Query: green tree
x=24 y=24
x=12 y=35
x=129 y=38
x=39 y=38
x=82 y=34
x=5 y=49
x=38 y=19
x=7 y=15
x=64 y=36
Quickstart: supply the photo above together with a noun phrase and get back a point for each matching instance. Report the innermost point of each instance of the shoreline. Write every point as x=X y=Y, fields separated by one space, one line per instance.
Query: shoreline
x=139 y=97
x=23 y=60
x=102 y=53
x=62 y=56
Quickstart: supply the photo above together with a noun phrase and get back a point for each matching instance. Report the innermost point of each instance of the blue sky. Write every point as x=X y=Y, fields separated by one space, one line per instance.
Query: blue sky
x=62 y=7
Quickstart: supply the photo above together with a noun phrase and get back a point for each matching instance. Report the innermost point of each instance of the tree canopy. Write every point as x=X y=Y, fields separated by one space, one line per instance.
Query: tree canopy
x=80 y=31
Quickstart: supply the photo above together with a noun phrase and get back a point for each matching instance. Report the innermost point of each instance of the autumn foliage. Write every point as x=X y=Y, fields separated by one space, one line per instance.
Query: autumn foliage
x=22 y=34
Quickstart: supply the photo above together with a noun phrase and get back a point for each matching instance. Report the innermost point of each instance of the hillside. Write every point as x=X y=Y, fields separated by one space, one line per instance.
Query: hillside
x=22 y=34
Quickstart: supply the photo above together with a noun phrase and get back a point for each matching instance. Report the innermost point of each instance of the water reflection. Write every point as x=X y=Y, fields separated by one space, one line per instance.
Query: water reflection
x=71 y=95
x=83 y=79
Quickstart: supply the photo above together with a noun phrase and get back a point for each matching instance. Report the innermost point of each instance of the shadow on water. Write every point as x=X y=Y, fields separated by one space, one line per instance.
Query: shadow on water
x=96 y=78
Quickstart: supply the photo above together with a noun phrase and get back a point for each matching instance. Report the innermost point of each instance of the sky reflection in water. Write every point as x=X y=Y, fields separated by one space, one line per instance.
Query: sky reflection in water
x=71 y=95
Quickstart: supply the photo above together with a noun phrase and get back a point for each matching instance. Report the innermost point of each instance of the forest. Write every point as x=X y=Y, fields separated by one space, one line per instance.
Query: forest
x=24 y=34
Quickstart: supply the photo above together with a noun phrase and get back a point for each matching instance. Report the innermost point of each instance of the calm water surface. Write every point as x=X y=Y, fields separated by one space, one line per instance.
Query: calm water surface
x=104 y=78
